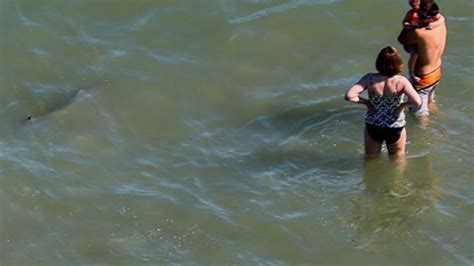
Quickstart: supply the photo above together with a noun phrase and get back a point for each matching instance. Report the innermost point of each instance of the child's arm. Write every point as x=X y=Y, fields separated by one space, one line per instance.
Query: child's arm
x=436 y=23
x=407 y=20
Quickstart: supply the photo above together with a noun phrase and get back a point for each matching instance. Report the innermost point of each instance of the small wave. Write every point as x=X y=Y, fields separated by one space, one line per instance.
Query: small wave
x=451 y=249
x=278 y=9
x=141 y=21
x=315 y=126
x=215 y=209
x=22 y=159
x=24 y=19
x=39 y=51
x=305 y=86
x=142 y=191
x=114 y=53
x=291 y=215
x=83 y=37
x=172 y=57
x=328 y=83
x=459 y=19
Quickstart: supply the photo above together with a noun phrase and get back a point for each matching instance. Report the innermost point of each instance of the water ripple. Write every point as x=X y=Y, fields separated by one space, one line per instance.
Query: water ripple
x=278 y=9
x=459 y=19
x=24 y=19
x=141 y=21
x=134 y=190
x=305 y=86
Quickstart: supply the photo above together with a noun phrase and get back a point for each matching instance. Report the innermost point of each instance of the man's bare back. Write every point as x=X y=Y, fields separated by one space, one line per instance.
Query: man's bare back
x=430 y=43
x=429 y=38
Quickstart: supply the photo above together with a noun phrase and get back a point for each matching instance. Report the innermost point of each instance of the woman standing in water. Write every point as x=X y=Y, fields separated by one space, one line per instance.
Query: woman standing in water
x=385 y=119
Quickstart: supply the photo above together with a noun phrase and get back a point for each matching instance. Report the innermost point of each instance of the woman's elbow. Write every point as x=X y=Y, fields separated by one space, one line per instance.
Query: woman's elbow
x=349 y=97
x=346 y=97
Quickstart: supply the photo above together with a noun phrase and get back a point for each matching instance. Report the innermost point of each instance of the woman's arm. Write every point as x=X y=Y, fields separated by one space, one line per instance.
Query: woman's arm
x=413 y=96
x=353 y=94
x=407 y=20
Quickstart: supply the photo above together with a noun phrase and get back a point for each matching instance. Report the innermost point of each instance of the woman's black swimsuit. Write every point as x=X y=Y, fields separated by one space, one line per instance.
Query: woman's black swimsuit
x=380 y=134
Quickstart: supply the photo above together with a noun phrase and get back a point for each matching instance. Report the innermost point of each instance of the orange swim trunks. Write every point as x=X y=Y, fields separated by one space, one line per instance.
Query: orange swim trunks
x=428 y=79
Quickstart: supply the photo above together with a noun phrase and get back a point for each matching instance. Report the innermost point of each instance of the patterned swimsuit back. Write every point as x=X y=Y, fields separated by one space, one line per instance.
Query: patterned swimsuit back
x=385 y=109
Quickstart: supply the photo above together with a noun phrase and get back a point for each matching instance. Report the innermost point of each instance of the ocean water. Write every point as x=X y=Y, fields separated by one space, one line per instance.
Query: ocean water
x=215 y=132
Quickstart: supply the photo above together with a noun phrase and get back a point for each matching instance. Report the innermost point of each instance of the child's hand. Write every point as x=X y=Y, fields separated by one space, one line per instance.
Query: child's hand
x=408 y=26
x=416 y=78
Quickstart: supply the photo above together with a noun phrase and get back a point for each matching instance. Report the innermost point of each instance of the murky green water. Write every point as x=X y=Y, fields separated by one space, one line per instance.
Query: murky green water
x=215 y=132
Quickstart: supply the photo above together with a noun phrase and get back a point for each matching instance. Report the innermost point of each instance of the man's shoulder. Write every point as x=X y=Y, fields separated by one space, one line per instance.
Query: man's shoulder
x=438 y=22
x=432 y=28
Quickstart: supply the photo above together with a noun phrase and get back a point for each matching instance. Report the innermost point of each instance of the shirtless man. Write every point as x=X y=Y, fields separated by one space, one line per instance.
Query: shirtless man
x=430 y=42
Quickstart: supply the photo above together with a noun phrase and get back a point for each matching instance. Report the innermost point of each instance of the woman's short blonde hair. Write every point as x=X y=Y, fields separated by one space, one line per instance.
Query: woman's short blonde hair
x=389 y=61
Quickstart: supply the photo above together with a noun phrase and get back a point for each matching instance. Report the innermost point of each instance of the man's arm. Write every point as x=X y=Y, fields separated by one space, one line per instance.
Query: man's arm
x=438 y=21
x=407 y=37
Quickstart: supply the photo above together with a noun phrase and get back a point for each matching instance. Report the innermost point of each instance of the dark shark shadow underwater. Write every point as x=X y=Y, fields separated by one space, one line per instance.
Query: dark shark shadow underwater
x=58 y=103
